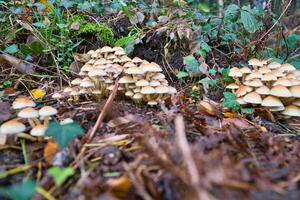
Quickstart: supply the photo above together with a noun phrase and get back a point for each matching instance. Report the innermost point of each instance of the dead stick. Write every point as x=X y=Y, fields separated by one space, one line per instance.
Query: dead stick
x=101 y=117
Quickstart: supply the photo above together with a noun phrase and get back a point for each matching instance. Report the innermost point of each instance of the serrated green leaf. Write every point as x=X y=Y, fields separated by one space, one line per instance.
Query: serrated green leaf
x=60 y=175
x=232 y=13
x=11 y=49
x=249 y=21
x=124 y=41
x=212 y=72
x=205 y=46
x=21 y=191
x=182 y=74
x=63 y=134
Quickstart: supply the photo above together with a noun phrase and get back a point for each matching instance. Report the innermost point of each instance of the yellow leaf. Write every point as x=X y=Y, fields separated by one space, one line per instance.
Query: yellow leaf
x=38 y=93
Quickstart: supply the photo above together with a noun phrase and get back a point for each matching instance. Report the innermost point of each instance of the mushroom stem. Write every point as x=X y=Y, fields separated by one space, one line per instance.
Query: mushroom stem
x=31 y=122
x=26 y=136
x=46 y=121
x=36 y=121
x=148 y=97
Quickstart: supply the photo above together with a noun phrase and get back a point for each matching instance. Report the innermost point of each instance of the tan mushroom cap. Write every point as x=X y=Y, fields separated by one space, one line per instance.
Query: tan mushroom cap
x=137 y=60
x=47 y=111
x=101 y=61
x=147 y=90
x=111 y=56
x=57 y=96
x=120 y=52
x=263 y=90
x=129 y=93
x=134 y=71
x=83 y=91
x=245 y=70
x=137 y=96
x=86 y=68
x=150 y=67
x=277 y=73
x=252 y=98
x=87 y=83
x=22 y=102
x=295 y=90
x=253 y=75
x=90 y=52
x=28 y=113
x=106 y=49
x=162 y=89
x=68 y=90
x=255 y=62
x=158 y=76
x=243 y=89
x=129 y=64
x=232 y=86
x=283 y=81
x=142 y=83
x=126 y=79
x=235 y=73
x=116 y=48
x=274 y=65
x=264 y=70
x=12 y=127
x=286 y=67
x=154 y=83
x=38 y=130
x=96 y=72
x=76 y=81
x=292 y=111
x=125 y=59
x=280 y=91
x=271 y=101
x=172 y=90
x=254 y=83
x=268 y=77
x=241 y=101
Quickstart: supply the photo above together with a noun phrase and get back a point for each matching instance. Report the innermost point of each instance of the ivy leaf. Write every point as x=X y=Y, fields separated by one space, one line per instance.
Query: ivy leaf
x=230 y=102
x=182 y=74
x=231 y=13
x=11 y=49
x=205 y=47
x=192 y=65
x=226 y=78
x=249 y=21
x=63 y=134
x=212 y=72
x=60 y=175
x=247 y=111
x=21 y=191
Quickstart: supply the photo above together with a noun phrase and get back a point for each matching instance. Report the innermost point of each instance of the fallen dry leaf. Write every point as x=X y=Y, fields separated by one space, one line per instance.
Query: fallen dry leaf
x=120 y=187
x=50 y=150
x=5 y=113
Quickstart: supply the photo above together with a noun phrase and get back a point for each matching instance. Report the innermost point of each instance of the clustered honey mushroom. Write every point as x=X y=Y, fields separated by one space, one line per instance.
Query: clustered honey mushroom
x=140 y=80
x=269 y=84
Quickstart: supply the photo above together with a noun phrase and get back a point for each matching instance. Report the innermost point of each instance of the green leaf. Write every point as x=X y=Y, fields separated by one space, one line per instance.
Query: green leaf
x=192 y=65
x=36 y=47
x=296 y=64
x=124 y=41
x=212 y=72
x=111 y=174
x=232 y=13
x=11 y=49
x=207 y=81
x=63 y=134
x=205 y=46
x=247 y=111
x=276 y=60
x=230 y=102
x=182 y=74
x=249 y=21
x=25 y=49
x=21 y=191
x=60 y=175
x=226 y=78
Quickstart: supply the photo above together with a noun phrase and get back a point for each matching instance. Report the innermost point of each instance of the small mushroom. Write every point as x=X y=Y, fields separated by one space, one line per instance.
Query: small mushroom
x=12 y=127
x=253 y=98
x=46 y=112
x=38 y=130
x=23 y=102
x=31 y=114
x=291 y=111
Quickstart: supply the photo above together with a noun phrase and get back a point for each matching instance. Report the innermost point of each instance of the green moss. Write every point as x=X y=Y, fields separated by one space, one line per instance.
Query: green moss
x=101 y=31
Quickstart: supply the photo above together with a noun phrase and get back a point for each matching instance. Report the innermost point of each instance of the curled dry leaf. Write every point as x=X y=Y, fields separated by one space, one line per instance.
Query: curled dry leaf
x=50 y=150
x=20 y=65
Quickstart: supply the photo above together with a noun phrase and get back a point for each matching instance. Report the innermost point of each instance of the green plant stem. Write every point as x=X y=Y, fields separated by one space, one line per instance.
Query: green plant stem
x=23 y=146
x=47 y=195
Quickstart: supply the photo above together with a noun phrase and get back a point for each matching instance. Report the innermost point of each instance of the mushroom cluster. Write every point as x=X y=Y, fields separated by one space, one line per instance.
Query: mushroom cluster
x=140 y=80
x=269 y=84
x=24 y=107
